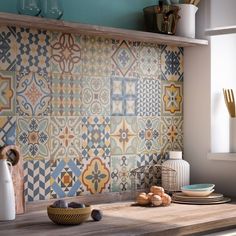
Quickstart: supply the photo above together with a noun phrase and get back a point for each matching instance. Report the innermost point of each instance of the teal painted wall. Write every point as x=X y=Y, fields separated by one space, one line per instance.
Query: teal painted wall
x=114 y=13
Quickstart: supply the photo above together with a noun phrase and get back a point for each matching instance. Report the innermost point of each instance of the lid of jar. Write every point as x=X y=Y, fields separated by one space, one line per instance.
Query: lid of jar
x=175 y=155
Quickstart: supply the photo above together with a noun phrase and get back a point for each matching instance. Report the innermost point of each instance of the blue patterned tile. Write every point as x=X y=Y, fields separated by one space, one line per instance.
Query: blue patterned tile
x=172 y=63
x=124 y=58
x=124 y=96
x=65 y=180
x=7 y=131
x=33 y=95
x=33 y=137
x=8 y=48
x=149 y=97
x=37 y=180
x=34 y=51
x=95 y=136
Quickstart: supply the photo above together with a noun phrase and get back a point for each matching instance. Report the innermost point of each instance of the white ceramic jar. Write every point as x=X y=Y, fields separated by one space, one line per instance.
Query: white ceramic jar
x=171 y=182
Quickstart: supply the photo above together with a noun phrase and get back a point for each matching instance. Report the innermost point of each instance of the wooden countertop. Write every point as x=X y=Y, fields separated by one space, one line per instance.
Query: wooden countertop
x=123 y=219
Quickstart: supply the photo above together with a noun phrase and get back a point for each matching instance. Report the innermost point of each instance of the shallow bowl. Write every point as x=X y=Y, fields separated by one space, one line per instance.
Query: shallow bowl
x=204 y=193
x=198 y=187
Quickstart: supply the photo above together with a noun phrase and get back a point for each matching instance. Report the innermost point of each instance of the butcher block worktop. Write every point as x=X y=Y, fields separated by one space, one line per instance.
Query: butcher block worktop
x=124 y=219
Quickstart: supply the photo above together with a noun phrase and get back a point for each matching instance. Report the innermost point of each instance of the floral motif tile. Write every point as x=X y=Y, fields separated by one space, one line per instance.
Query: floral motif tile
x=66 y=95
x=172 y=133
x=95 y=96
x=33 y=95
x=8 y=48
x=97 y=53
x=124 y=96
x=124 y=58
x=120 y=172
x=172 y=63
x=96 y=176
x=37 y=180
x=149 y=97
x=95 y=136
x=7 y=131
x=7 y=93
x=148 y=178
x=124 y=135
x=66 y=53
x=65 y=138
x=149 y=133
x=33 y=137
x=65 y=178
x=172 y=98
x=34 y=51
x=149 y=60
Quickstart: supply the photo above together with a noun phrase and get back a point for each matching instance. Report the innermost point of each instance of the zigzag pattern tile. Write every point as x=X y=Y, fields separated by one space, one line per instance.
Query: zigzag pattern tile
x=37 y=180
x=149 y=97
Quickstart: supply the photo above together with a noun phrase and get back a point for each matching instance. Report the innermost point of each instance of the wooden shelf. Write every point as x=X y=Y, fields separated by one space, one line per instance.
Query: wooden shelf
x=116 y=33
x=221 y=30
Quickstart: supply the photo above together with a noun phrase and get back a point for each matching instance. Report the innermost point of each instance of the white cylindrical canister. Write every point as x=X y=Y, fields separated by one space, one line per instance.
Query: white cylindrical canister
x=232 y=134
x=186 y=24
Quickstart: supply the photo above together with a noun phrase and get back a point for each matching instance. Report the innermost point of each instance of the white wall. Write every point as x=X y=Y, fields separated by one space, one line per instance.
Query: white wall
x=197 y=106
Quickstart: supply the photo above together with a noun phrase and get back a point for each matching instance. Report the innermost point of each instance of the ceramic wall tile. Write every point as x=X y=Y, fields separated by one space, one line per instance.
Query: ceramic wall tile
x=66 y=53
x=172 y=63
x=7 y=93
x=33 y=137
x=8 y=48
x=33 y=95
x=34 y=51
x=124 y=131
x=65 y=180
x=95 y=136
x=149 y=60
x=149 y=133
x=172 y=133
x=66 y=95
x=172 y=98
x=65 y=138
x=7 y=130
x=124 y=58
x=151 y=176
x=120 y=172
x=96 y=175
x=37 y=180
x=97 y=53
x=95 y=96
x=124 y=96
x=149 y=97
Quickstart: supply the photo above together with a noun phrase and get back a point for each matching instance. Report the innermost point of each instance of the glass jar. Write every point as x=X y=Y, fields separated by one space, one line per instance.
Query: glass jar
x=51 y=9
x=28 y=7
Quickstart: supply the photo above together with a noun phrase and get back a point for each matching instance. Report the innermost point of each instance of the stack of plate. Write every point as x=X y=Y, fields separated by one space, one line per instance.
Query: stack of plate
x=199 y=194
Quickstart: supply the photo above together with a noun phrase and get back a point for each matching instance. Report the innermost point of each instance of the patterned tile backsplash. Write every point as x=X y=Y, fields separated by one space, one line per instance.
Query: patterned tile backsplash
x=86 y=110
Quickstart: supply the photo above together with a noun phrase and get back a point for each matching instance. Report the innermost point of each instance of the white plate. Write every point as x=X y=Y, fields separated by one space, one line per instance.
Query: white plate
x=198 y=193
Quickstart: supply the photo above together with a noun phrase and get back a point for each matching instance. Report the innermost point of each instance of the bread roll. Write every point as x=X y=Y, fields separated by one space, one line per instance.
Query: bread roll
x=166 y=200
x=156 y=200
x=143 y=200
x=157 y=190
x=149 y=195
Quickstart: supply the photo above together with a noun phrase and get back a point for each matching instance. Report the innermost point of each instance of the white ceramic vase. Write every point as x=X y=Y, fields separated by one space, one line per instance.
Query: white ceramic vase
x=172 y=182
x=7 y=195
